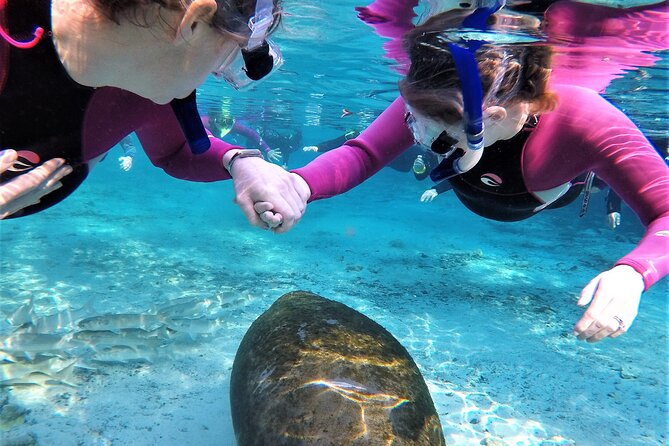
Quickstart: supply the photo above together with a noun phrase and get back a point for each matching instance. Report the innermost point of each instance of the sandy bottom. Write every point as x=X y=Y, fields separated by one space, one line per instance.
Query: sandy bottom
x=485 y=309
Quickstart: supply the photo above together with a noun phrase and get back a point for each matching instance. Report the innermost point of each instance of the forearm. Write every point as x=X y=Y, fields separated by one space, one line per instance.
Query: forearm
x=341 y=169
x=613 y=202
x=332 y=144
x=651 y=256
x=442 y=187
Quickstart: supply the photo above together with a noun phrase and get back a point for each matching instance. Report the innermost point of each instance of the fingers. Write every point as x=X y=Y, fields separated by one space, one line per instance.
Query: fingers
x=591 y=322
x=29 y=187
x=599 y=330
x=613 y=300
x=264 y=211
x=7 y=158
x=251 y=215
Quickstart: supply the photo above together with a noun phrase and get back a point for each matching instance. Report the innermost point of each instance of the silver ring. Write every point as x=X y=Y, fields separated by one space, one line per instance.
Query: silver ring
x=621 y=324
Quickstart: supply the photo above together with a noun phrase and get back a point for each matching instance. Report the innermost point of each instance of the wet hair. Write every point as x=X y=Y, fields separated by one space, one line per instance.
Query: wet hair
x=231 y=16
x=509 y=73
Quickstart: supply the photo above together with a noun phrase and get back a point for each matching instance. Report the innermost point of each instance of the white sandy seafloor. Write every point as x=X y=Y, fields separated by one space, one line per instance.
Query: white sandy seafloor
x=485 y=309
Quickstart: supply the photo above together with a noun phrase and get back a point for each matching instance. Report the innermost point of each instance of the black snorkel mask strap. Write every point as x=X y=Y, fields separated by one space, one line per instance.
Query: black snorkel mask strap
x=464 y=56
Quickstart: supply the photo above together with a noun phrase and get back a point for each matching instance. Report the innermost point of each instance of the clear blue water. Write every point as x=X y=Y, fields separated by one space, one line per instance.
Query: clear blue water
x=484 y=308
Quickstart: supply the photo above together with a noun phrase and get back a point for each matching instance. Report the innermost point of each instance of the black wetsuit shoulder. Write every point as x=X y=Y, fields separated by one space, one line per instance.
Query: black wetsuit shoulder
x=495 y=187
x=41 y=108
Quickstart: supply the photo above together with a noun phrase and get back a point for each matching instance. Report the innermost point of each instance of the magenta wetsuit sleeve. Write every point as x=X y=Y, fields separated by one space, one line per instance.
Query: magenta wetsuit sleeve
x=341 y=169
x=114 y=113
x=587 y=133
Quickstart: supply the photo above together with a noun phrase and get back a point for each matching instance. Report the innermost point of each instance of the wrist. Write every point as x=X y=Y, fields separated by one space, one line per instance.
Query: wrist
x=303 y=186
x=227 y=156
x=231 y=157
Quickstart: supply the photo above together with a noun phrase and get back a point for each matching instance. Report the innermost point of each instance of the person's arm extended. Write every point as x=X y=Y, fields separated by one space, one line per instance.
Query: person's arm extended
x=341 y=169
x=115 y=113
x=443 y=186
x=595 y=136
x=251 y=135
x=612 y=146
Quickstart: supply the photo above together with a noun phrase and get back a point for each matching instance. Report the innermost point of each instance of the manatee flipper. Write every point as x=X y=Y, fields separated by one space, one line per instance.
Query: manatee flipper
x=312 y=371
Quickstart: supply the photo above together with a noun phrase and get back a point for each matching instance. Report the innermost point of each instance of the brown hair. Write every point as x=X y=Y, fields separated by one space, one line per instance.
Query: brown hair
x=232 y=16
x=509 y=73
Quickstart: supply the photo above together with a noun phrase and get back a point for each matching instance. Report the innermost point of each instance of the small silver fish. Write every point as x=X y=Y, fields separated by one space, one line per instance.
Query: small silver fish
x=116 y=322
x=62 y=321
x=31 y=344
x=22 y=315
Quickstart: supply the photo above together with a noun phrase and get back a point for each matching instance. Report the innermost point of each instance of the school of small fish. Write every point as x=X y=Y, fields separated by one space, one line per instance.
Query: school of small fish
x=43 y=350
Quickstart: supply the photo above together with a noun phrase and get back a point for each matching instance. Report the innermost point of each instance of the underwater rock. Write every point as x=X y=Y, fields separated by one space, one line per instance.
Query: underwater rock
x=12 y=416
x=19 y=440
x=312 y=371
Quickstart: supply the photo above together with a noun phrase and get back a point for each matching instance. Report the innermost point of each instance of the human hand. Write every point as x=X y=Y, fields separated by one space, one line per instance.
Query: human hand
x=370 y=16
x=125 y=162
x=280 y=197
x=310 y=149
x=613 y=298
x=613 y=219
x=29 y=187
x=428 y=196
x=275 y=155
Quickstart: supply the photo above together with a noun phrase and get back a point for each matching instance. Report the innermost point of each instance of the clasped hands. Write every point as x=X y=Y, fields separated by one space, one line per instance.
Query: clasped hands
x=270 y=197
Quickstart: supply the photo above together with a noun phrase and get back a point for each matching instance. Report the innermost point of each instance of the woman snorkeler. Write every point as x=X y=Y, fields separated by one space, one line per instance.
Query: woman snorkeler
x=537 y=141
x=76 y=76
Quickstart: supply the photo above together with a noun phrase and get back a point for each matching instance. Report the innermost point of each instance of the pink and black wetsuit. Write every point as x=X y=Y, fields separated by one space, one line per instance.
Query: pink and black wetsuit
x=45 y=114
x=585 y=133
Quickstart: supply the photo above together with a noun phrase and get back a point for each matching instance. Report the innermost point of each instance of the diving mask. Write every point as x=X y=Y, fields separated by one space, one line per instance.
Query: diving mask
x=259 y=58
x=429 y=133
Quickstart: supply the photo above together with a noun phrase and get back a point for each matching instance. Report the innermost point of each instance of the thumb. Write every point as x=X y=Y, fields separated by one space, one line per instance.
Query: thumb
x=588 y=292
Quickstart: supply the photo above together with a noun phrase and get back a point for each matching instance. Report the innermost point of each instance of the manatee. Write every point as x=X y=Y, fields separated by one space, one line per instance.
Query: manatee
x=312 y=371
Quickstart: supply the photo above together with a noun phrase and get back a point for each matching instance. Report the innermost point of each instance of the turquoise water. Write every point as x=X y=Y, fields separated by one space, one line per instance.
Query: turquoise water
x=485 y=308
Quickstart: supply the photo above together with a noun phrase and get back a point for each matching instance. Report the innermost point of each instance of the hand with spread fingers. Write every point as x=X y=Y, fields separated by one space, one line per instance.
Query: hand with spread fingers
x=275 y=156
x=613 y=303
x=28 y=188
x=125 y=163
x=428 y=196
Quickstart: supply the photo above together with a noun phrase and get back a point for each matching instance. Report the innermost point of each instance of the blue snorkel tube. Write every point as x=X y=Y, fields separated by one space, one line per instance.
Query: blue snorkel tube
x=464 y=56
x=191 y=124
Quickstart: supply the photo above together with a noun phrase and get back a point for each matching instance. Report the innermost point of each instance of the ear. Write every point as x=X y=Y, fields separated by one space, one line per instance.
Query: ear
x=200 y=11
x=495 y=113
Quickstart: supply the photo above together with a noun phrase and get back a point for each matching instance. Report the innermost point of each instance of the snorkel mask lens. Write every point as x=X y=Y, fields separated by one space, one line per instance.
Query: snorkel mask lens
x=443 y=143
x=428 y=133
x=260 y=57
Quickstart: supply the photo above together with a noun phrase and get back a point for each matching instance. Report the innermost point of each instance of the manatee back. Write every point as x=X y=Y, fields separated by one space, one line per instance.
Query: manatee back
x=312 y=371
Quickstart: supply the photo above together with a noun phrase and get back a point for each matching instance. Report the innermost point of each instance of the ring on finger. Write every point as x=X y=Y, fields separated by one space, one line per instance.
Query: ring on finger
x=621 y=324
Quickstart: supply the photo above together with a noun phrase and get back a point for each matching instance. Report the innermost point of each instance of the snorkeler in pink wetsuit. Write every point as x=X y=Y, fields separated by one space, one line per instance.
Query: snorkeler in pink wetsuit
x=45 y=114
x=534 y=148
